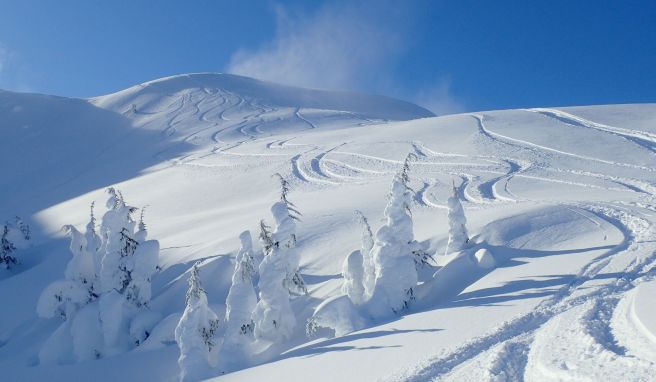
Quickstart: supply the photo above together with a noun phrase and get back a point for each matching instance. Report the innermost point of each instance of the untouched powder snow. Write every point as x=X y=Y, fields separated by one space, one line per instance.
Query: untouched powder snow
x=556 y=281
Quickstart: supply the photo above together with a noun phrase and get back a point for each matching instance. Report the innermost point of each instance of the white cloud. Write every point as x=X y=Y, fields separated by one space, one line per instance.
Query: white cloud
x=346 y=46
x=338 y=47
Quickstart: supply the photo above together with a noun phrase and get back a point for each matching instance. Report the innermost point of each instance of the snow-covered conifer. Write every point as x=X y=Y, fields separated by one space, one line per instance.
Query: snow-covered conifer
x=144 y=266
x=93 y=243
x=273 y=316
x=65 y=297
x=353 y=274
x=369 y=273
x=241 y=299
x=82 y=267
x=396 y=275
x=7 y=249
x=284 y=237
x=458 y=237
x=24 y=228
x=117 y=228
x=195 y=333
x=142 y=232
x=266 y=241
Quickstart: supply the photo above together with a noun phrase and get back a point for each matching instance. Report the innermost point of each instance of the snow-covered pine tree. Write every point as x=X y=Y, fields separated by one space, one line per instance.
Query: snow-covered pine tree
x=241 y=299
x=125 y=274
x=7 y=249
x=369 y=273
x=273 y=316
x=93 y=245
x=82 y=267
x=119 y=245
x=142 y=232
x=65 y=297
x=285 y=215
x=396 y=275
x=144 y=266
x=24 y=228
x=266 y=241
x=353 y=274
x=458 y=237
x=195 y=333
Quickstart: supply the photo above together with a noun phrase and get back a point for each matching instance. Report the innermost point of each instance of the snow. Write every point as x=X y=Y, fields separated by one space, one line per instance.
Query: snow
x=556 y=281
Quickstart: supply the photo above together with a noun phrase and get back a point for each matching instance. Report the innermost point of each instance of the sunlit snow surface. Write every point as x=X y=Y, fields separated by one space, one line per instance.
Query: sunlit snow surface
x=562 y=198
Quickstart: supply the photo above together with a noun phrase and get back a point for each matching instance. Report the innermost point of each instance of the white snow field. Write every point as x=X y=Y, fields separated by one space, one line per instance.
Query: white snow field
x=560 y=207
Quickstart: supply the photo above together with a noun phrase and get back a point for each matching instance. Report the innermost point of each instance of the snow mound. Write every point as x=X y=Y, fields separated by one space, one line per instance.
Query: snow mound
x=150 y=93
x=485 y=259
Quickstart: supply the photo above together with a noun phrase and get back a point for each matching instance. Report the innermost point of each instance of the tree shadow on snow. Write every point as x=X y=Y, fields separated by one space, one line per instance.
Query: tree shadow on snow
x=445 y=289
x=327 y=346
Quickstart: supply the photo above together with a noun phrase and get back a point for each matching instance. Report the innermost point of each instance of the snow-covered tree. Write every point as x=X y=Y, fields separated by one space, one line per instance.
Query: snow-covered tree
x=241 y=299
x=266 y=241
x=196 y=332
x=142 y=231
x=106 y=283
x=82 y=267
x=369 y=273
x=80 y=284
x=396 y=275
x=353 y=274
x=119 y=245
x=143 y=266
x=458 y=237
x=63 y=298
x=7 y=249
x=273 y=316
x=285 y=215
x=24 y=228
x=129 y=260
x=93 y=242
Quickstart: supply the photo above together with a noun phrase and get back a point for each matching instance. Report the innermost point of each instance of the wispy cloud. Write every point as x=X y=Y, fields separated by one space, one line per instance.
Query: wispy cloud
x=439 y=98
x=345 y=45
x=337 y=47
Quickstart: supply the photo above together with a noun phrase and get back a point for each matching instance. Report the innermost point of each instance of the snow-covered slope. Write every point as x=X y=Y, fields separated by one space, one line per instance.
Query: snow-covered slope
x=562 y=198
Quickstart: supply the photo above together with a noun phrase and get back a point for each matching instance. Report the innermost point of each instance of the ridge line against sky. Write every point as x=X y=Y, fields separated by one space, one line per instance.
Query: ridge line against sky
x=444 y=55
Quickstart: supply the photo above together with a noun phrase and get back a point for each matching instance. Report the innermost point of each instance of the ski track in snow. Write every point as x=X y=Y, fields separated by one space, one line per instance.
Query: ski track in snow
x=593 y=322
x=642 y=139
x=526 y=347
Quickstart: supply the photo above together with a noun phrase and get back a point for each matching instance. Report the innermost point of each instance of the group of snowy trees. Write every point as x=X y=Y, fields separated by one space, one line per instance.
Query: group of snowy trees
x=13 y=237
x=380 y=279
x=252 y=314
x=104 y=295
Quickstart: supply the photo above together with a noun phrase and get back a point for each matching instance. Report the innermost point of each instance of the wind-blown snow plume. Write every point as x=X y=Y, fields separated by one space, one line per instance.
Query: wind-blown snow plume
x=334 y=48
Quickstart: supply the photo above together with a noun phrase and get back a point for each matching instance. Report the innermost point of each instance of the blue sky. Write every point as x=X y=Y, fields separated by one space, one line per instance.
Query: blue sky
x=447 y=55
